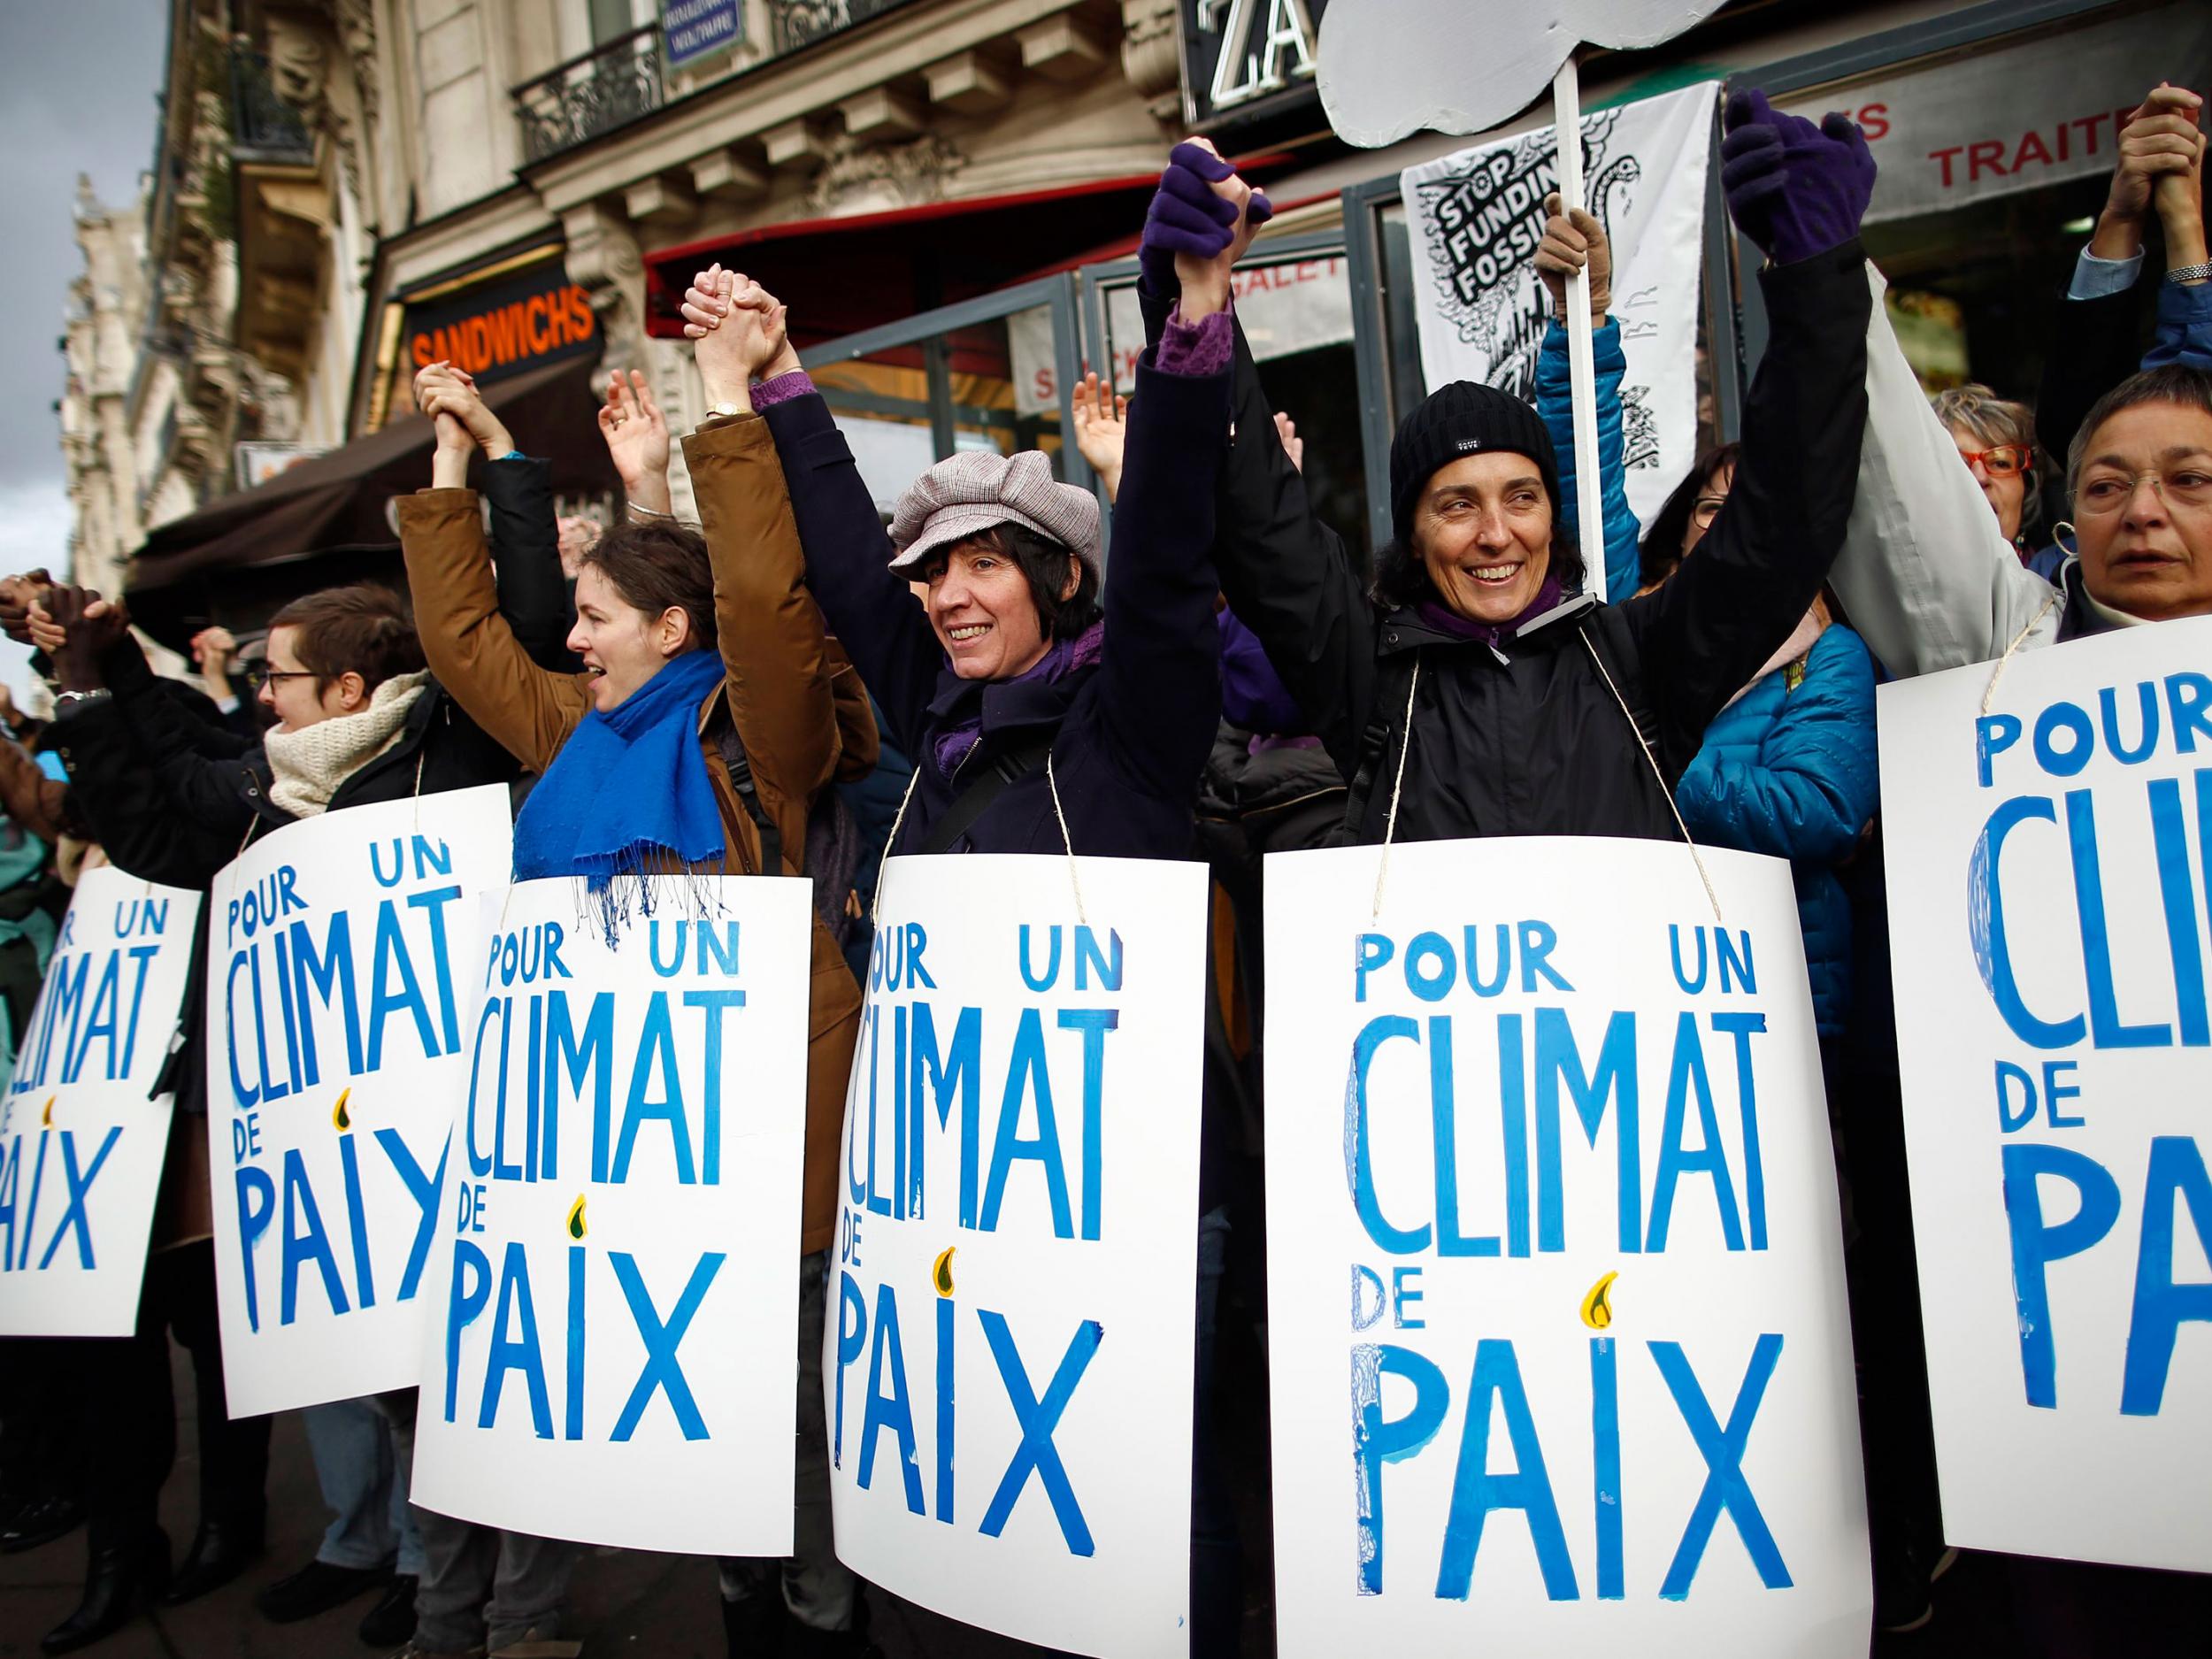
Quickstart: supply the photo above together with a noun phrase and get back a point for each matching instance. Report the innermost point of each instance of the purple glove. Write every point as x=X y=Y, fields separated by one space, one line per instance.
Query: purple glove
x=1795 y=189
x=1186 y=216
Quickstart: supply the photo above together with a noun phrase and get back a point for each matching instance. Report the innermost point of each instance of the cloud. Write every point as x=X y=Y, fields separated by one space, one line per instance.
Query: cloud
x=1392 y=67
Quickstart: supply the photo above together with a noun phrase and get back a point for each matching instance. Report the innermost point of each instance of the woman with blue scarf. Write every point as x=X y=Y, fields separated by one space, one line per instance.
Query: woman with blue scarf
x=695 y=741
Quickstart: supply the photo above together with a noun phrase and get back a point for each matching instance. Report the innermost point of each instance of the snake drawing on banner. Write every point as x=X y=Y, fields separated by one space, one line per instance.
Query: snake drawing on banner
x=1483 y=227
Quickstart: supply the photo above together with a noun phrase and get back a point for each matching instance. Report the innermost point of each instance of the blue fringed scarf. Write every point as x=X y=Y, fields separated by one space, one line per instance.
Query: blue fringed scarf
x=629 y=794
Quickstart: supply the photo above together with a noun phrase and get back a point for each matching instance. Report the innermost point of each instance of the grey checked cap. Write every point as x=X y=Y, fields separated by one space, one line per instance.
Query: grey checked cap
x=979 y=488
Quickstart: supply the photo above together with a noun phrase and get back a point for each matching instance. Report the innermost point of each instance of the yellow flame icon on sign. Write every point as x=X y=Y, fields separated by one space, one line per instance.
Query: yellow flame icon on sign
x=576 y=1228
x=46 y=1114
x=941 y=1270
x=341 y=1119
x=1597 y=1307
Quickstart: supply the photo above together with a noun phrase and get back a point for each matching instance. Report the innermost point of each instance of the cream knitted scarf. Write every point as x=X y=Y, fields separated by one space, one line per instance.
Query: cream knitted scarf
x=308 y=766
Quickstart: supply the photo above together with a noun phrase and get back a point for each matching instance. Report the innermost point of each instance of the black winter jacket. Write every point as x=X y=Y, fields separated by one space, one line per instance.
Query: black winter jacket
x=1529 y=739
x=1130 y=734
x=171 y=805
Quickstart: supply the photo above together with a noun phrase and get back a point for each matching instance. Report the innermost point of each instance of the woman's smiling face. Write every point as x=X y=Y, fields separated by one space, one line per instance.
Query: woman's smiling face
x=985 y=616
x=1483 y=530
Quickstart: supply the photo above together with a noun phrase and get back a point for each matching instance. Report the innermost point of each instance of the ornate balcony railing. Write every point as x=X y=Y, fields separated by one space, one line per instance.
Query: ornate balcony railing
x=263 y=126
x=594 y=94
x=798 y=23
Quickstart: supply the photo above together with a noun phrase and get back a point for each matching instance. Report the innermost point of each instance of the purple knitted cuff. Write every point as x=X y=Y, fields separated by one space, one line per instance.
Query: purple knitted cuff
x=1199 y=348
x=781 y=389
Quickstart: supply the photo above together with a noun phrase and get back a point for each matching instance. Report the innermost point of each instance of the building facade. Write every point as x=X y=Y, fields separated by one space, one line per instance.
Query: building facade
x=946 y=192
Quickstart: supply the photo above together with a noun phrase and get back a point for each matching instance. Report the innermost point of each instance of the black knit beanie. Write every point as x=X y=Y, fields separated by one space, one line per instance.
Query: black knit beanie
x=1458 y=420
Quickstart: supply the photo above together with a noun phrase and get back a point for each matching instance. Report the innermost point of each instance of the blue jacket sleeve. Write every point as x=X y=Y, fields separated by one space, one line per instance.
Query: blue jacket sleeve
x=1555 y=401
x=1816 y=778
x=2185 y=326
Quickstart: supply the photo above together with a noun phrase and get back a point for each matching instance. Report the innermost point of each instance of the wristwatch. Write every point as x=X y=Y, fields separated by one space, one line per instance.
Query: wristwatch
x=67 y=701
x=2189 y=273
x=727 y=411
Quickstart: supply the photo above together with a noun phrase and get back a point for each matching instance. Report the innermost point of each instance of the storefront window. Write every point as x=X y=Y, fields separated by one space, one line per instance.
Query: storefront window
x=1994 y=162
x=990 y=385
x=1296 y=312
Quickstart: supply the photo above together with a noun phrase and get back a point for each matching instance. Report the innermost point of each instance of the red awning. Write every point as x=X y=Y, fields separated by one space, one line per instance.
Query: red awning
x=842 y=275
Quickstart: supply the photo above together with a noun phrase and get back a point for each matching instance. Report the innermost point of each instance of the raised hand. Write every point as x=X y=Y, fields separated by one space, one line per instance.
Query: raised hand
x=1571 y=241
x=1190 y=217
x=212 y=649
x=1294 y=446
x=441 y=388
x=18 y=594
x=1204 y=277
x=1101 y=430
x=73 y=626
x=1795 y=189
x=2159 y=141
x=635 y=431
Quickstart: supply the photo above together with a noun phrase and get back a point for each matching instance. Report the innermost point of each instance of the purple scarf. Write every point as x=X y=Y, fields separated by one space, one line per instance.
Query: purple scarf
x=1447 y=621
x=1063 y=657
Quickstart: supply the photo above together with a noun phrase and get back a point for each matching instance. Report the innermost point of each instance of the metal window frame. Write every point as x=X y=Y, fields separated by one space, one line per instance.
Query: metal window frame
x=1869 y=54
x=1371 y=339
x=1058 y=292
x=1114 y=273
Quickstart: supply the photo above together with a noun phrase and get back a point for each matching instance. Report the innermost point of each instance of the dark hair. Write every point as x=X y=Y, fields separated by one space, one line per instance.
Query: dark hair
x=364 y=629
x=1044 y=561
x=1661 y=550
x=659 y=567
x=2192 y=388
x=1402 y=579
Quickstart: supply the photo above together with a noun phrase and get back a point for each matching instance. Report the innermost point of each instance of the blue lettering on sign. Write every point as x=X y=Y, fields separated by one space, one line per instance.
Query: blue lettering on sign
x=1495 y=1391
x=1730 y=1167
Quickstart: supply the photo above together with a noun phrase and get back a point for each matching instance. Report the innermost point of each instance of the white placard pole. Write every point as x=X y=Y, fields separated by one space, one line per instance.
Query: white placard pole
x=1566 y=96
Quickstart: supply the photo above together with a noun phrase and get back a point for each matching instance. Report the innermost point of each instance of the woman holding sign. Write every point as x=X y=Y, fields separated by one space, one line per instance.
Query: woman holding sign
x=704 y=726
x=174 y=797
x=1051 y=707
x=1475 y=690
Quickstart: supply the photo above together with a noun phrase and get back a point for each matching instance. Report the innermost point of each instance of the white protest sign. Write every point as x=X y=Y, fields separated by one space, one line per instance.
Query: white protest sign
x=1473 y=221
x=338 y=951
x=1559 y=1351
x=1391 y=67
x=2048 y=870
x=610 y=1351
x=82 y=1139
x=1007 y=1362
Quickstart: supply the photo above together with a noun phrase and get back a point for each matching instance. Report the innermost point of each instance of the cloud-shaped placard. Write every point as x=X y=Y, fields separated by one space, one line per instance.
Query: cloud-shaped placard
x=1391 y=67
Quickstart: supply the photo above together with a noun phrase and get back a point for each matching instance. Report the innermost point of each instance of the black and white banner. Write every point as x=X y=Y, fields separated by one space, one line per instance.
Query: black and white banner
x=1475 y=216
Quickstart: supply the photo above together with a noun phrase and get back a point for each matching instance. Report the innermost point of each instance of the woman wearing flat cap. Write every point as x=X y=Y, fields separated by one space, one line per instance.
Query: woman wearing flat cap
x=1472 y=689
x=1026 y=671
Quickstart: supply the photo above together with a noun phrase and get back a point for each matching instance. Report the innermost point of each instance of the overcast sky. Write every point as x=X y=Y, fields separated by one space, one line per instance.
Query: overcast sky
x=77 y=85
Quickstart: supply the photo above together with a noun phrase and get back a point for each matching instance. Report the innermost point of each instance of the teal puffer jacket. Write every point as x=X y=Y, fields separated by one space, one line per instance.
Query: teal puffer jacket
x=1790 y=769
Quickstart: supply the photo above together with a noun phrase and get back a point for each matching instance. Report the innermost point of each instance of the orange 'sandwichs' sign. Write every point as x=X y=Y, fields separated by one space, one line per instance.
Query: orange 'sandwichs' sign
x=516 y=334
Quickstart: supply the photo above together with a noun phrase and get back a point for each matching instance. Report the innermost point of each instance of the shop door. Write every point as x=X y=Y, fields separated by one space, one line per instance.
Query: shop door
x=989 y=373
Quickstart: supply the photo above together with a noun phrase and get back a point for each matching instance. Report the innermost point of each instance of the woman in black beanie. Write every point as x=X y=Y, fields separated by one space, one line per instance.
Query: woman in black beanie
x=1522 y=703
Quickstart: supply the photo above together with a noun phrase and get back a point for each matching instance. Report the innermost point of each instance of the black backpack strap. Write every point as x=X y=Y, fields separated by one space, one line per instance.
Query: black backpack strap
x=971 y=803
x=1393 y=677
x=748 y=797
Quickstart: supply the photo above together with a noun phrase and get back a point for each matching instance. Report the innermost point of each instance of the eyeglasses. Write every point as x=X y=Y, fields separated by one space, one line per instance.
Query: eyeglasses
x=2191 y=487
x=259 y=677
x=2007 y=460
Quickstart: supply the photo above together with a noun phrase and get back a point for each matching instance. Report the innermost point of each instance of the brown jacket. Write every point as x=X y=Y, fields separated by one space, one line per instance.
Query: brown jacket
x=789 y=695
